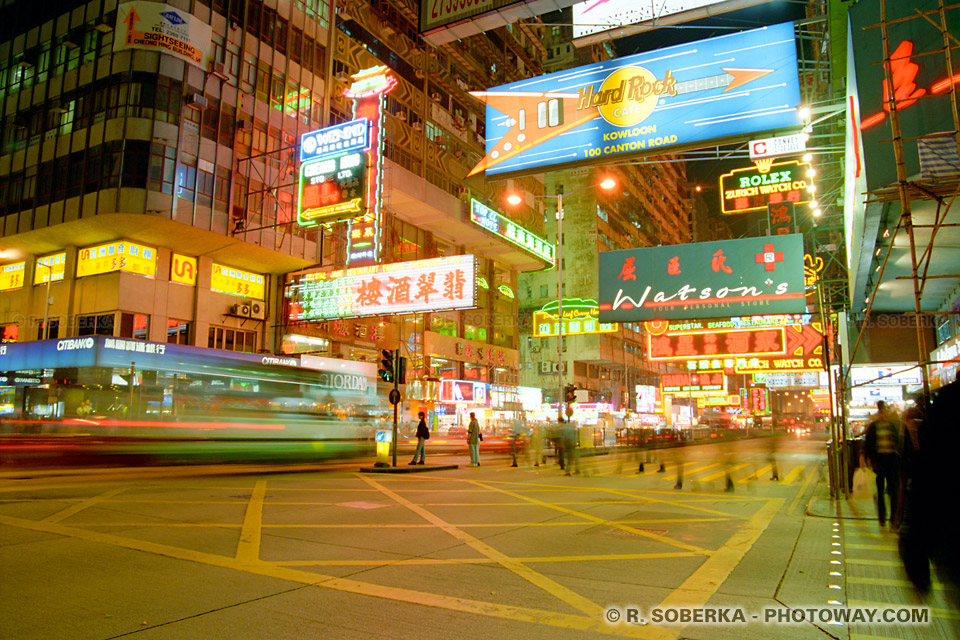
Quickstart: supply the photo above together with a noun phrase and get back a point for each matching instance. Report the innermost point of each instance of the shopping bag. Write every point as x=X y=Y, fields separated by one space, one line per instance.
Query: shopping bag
x=864 y=483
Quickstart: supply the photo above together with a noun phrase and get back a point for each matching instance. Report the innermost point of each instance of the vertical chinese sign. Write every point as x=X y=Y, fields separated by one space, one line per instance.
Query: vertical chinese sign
x=782 y=218
x=341 y=169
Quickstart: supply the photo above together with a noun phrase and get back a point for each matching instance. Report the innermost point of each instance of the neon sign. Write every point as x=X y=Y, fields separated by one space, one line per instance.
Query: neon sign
x=580 y=316
x=752 y=188
x=704 y=383
x=333 y=189
x=368 y=91
x=693 y=345
x=511 y=231
x=417 y=286
x=117 y=256
x=236 y=282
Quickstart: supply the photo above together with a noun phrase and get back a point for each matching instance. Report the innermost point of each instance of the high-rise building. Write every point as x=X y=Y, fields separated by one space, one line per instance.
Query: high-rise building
x=148 y=173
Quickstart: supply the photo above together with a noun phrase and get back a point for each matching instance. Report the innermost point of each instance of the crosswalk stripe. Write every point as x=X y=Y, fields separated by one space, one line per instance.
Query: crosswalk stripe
x=686 y=472
x=794 y=473
x=759 y=473
x=720 y=474
x=893 y=582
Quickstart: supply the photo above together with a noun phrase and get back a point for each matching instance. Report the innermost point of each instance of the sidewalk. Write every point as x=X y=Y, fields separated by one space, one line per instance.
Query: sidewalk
x=867 y=572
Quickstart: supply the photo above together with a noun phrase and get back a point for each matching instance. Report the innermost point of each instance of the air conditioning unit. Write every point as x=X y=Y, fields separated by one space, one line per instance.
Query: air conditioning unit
x=435 y=97
x=258 y=310
x=402 y=116
x=244 y=125
x=417 y=126
x=218 y=69
x=104 y=25
x=196 y=100
x=546 y=367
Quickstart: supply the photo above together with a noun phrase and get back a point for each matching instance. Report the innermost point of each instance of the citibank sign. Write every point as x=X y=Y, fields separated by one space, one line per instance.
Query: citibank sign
x=73 y=344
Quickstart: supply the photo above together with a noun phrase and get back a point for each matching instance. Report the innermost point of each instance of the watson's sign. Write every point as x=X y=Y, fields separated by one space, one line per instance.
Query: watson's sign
x=646 y=103
x=751 y=276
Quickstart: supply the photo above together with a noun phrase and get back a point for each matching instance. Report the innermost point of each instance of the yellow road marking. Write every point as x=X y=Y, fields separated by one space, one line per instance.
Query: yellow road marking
x=586 y=516
x=802 y=492
x=756 y=475
x=683 y=504
x=450 y=603
x=454 y=561
x=248 y=549
x=790 y=477
x=84 y=504
x=654 y=467
x=720 y=474
x=703 y=583
x=329 y=525
x=687 y=472
x=550 y=586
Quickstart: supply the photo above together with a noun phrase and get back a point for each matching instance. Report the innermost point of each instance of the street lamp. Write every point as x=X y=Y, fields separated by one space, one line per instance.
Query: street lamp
x=46 y=306
x=514 y=199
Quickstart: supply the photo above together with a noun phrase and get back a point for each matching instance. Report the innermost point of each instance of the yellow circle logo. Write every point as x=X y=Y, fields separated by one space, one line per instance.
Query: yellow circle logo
x=627 y=96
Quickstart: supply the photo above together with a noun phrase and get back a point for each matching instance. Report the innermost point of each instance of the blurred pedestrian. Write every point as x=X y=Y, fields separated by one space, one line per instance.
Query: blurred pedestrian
x=772 y=459
x=473 y=440
x=536 y=442
x=423 y=434
x=559 y=444
x=882 y=450
x=927 y=534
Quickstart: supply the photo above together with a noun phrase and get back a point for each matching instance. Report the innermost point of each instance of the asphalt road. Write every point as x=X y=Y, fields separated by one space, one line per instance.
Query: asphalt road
x=490 y=552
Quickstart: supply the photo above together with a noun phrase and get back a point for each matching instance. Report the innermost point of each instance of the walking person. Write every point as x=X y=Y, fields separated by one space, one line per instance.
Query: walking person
x=882 y=448
x=423 y=434
x=473 y=440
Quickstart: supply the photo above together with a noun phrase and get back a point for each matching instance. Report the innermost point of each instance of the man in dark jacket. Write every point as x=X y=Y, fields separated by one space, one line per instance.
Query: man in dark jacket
x=883 y=451
x=423 y=434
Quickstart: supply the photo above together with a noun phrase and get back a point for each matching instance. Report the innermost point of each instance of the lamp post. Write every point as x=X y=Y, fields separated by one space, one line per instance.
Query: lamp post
x=607 y=184
x=46 y=306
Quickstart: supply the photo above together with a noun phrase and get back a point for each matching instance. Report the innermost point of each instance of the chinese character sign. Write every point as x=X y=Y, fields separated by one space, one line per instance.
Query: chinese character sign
x=718 y=343
x=782 y=218
x=52 y=268
x=703 y=383
x=11 y=276
x=401 y=287
x=117 y=256
x=505 y=228
x=236 y=282
x=746 y=277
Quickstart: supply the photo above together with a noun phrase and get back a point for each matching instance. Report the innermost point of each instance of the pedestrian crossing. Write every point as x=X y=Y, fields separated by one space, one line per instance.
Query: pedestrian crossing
x=663 y=466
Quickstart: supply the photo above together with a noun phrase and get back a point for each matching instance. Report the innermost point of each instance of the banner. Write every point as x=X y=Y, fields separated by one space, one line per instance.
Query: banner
x=160 y=27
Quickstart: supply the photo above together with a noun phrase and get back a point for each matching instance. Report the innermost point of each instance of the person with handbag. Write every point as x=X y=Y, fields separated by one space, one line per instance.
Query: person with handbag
x=423 y=434
x=473 y=440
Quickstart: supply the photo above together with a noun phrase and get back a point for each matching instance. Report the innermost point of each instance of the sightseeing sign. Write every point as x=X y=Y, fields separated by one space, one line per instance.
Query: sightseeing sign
x=646 y=103
x=749 y=276
x=753 y=188
x=155 y=26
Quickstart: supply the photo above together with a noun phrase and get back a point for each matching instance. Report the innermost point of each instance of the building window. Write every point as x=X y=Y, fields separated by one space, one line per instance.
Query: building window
x=54 y=331
x=178 y=331
x=134 y=325
x=97 y=325
x=231 y=339
x=544 y=291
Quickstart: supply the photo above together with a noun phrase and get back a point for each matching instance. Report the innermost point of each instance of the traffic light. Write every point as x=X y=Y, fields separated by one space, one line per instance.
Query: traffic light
x=401 y=370
x=388 y=366
x=570 y=393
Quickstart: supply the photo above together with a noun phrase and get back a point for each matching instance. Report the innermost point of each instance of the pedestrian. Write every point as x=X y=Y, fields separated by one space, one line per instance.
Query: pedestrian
x=882 y=449
x=537 y=445
x=558 y=443
x=927 y=534
x=473 y=440
x=423 y=434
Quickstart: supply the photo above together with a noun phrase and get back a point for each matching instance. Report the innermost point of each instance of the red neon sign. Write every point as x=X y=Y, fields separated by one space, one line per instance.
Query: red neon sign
x=905 y=90
x=715 y=344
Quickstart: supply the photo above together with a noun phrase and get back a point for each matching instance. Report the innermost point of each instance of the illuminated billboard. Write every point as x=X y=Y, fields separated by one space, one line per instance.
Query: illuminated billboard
x=510 y=231
x=236 y=282
x=749 y=276
x=11 y=276
x=702 y=383
x=753 y=188
x=580 y=316
x=52 y=268
x=691 y=345
x=333 y=189
x=417 y=286
x=162 y=28
x=647 y=103
x=117 y=256
x=597 y=16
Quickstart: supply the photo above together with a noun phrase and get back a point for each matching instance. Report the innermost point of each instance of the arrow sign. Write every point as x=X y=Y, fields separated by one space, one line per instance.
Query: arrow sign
x=803 y=339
